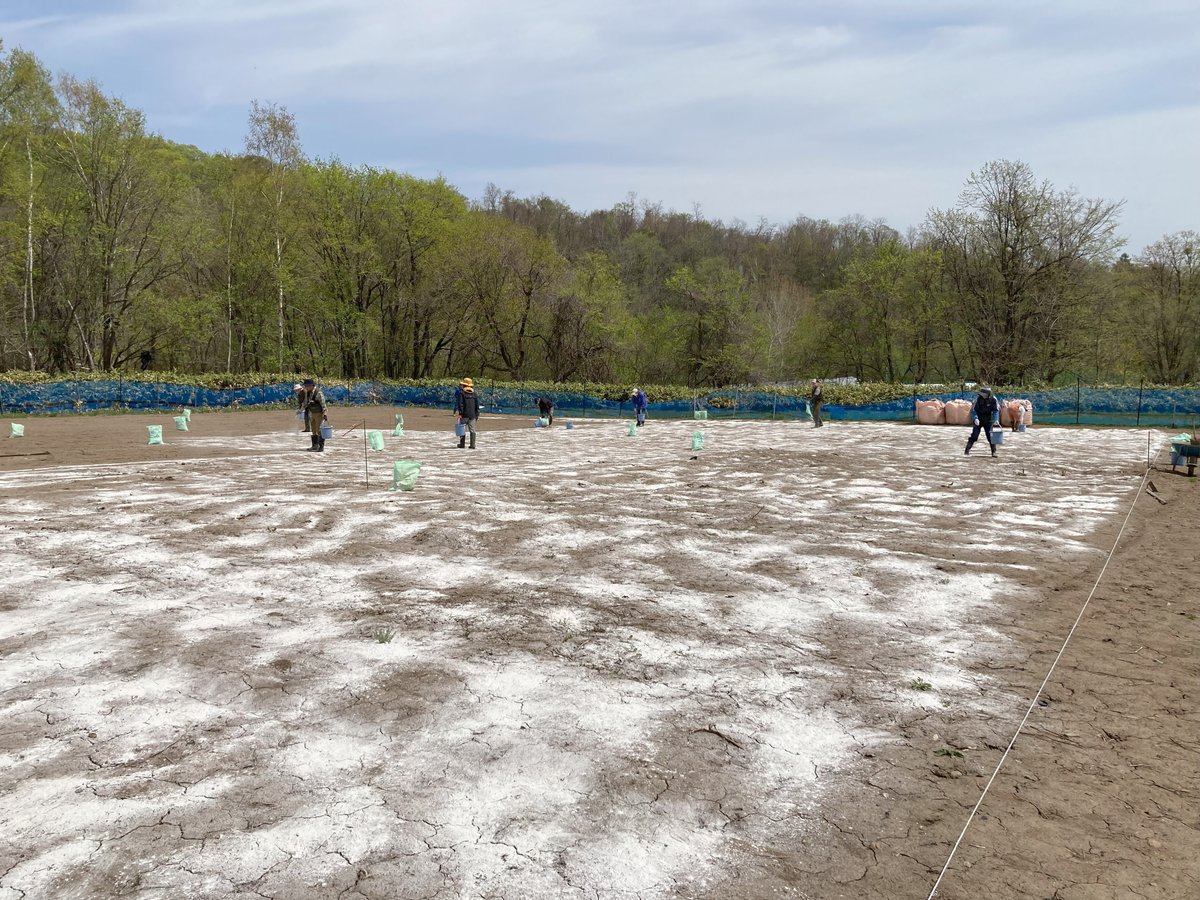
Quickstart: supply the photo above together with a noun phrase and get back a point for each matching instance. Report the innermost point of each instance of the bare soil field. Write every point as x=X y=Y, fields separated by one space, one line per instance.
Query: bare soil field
x=577 y=663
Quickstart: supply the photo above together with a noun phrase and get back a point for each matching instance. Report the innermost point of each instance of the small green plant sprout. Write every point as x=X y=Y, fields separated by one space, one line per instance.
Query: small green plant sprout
x=948 y=751
x=383 y=635
x=920 y=684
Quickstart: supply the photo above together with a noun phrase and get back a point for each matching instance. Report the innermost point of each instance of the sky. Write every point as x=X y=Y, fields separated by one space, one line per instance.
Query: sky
x=741 y=110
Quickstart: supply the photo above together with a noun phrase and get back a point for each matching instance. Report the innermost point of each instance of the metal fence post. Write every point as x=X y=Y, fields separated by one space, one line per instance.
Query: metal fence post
x=1139 y=409
x=1078 y=392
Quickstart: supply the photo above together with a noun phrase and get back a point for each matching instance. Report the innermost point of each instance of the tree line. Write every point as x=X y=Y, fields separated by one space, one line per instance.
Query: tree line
x=120 y=249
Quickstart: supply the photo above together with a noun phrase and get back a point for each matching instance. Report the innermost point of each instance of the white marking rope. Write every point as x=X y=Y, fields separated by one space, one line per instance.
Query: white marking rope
x=1037 y=696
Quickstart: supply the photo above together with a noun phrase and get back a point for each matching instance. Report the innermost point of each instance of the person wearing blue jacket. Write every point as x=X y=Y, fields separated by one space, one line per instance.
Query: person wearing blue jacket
x=638 y=398
x=985 y=409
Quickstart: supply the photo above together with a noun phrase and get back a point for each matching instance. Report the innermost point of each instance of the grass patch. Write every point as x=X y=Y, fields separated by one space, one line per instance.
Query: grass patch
x=920 y=684
x=383 y=635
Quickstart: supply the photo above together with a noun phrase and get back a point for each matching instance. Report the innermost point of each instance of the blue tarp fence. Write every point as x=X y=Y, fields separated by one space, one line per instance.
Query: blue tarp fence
x=1174 y=407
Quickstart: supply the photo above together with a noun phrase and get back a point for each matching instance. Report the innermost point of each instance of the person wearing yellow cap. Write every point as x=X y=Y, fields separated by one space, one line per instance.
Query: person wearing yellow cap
x=466 y=407
x=312 y=401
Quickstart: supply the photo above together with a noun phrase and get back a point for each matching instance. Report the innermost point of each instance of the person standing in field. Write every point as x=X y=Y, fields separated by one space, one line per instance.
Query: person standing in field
x=816 y=397
x=312 y=401
x=985 y=409
x=467 y=407
x=640 y=404
x=546 y=409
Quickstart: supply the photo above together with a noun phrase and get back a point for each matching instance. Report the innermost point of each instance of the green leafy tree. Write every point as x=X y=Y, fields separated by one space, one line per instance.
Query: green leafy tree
x=1161 y=293
x=115 y=192
x=29 y=109
x=273 y=137
x=587 y=323
x=416 y=230
x=724 y=339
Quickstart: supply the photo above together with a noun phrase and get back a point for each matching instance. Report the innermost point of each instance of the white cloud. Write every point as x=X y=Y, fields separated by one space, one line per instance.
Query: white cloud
x=875 y=108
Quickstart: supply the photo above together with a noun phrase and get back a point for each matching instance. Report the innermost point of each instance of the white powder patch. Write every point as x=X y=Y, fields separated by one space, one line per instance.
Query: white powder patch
x=562 y=637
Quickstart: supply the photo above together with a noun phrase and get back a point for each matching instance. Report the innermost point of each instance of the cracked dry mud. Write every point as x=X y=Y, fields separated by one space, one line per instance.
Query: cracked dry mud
x=581 y=664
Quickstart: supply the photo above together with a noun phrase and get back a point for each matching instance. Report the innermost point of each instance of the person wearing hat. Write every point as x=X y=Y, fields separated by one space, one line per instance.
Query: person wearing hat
x=815 y=398
x=983 y=411
x=638 y=398
x=312 y=401
x=466 y=405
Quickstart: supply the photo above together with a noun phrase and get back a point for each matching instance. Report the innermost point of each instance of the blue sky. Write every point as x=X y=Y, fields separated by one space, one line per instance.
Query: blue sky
x=755 y=109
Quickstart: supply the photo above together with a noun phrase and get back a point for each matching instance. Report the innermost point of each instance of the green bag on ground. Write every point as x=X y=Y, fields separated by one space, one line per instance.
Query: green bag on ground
x=17 y=430
x=399 y=419
x=398 y=431
x=155 y=434
x=375 y=439
x=700 y=414
x=632 y=428
x=697 y=440
x=181 y=423
x=404 y=474
x=187 y=414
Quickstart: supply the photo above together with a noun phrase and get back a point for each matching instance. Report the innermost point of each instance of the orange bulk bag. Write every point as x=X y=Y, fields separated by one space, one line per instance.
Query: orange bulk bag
x=958 y=412
x=931 y=412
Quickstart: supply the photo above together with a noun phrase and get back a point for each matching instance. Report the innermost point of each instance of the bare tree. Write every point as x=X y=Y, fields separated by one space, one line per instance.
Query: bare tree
x=1016 y=253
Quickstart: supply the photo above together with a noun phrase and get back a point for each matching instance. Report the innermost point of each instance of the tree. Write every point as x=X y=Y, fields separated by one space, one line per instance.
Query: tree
x=1016 y=253
x=499 y=278
x=273 y=136
x=417 y=219
x=116 y=199
x=724 y=337
x=586 y=323
x=1162 y=296
x=28 y=109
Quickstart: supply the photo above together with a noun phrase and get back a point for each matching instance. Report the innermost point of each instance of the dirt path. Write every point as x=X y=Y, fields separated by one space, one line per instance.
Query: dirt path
x=1100 y=799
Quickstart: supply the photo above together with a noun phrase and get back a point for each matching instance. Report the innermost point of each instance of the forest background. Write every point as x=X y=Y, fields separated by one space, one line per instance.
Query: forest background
x=121 y=250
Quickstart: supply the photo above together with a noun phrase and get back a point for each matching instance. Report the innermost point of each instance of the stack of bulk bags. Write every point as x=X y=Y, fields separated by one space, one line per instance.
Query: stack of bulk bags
x=931 y=412
x=958 y=412
x=1015 y=413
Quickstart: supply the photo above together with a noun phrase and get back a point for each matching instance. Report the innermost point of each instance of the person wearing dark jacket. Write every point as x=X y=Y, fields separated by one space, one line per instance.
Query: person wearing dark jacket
x=816 y=397
x=985 y=409
x=640 y=403
x=546 y=409
x=312 y=402
x=467 y=407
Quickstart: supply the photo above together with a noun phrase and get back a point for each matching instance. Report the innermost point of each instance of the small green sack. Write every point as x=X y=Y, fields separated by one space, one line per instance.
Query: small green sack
x=375 y=439
x=404 y=474
x=155 y=434
x=17 y=430
x=399 y=419
x=697 y=440
x=700 y=414
x=181 y=423
x=632 y=429
x=398 y=431
x=187 y=414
